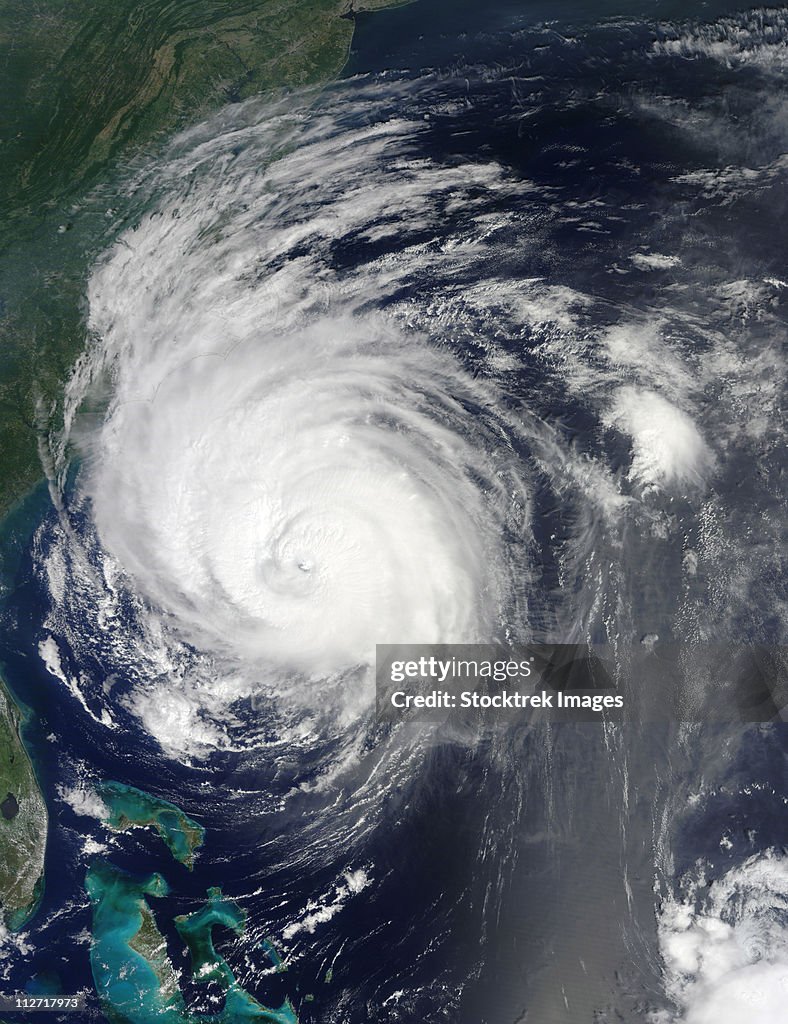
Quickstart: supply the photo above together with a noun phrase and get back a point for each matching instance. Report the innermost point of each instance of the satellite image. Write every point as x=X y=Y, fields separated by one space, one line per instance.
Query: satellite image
x=345 y=343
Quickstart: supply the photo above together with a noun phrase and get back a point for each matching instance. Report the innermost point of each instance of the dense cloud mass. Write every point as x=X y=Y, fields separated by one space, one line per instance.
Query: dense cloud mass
x=343 y=401
x=490 y=353
x=726 y=954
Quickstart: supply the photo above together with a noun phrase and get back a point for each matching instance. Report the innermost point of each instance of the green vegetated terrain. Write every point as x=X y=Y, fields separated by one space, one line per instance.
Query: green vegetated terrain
x=23 y=823
x=86 y=85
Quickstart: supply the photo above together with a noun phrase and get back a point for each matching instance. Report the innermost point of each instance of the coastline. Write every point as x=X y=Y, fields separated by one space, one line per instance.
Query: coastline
x=24 y=841
x=23 y=836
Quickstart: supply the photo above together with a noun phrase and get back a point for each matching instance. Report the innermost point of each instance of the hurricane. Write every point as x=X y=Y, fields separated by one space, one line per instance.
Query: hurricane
x=312 y=354
x=289 y=472
x=486 y=352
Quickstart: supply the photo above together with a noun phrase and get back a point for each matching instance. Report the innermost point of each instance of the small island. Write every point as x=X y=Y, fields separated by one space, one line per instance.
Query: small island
x=129 y=807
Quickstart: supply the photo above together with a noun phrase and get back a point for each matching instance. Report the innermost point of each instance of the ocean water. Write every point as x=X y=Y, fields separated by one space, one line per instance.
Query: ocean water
x=484 y=341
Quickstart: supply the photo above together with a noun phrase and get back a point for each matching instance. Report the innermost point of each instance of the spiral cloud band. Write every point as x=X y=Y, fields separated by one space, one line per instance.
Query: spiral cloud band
x=488 y=353
x=327 y=403
x=301 y=497
x=287 y=474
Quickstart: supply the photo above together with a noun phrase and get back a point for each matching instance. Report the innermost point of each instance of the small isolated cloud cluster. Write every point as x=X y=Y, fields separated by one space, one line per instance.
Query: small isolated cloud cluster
x=667 y=447
x=319 y=912
x=84 y=800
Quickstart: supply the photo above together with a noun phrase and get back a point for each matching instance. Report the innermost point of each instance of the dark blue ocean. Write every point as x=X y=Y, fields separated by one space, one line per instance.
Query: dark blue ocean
x=494 y=868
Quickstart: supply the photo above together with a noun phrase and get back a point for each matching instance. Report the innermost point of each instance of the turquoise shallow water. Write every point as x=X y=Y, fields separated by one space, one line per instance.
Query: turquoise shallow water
x=489 y=869
x=131 y=968
x=130 y=807
x=197 y=931
x=126 y=981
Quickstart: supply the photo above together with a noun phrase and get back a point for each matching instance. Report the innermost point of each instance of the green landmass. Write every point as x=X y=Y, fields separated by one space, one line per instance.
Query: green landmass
x=150 y=944
x=130 y=807
x=87 y=87
x=86 y=84
x=23 y=822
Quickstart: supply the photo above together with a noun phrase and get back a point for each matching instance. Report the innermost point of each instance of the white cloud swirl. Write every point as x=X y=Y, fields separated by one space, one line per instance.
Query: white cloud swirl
x=327 y=404
x=285 y=476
